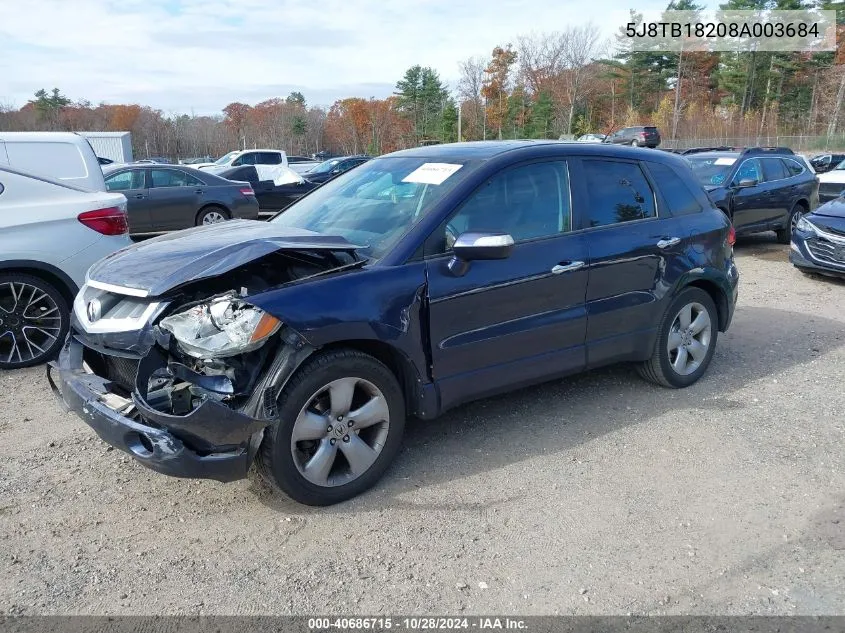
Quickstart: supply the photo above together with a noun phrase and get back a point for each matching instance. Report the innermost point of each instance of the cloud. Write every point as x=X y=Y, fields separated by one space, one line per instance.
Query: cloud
x=180 y=55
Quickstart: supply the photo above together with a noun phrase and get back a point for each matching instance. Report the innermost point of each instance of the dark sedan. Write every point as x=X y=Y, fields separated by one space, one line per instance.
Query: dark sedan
x=334 y=167
x=272 y=198
x=165 y=198
x=818 y=241
x=419 y=281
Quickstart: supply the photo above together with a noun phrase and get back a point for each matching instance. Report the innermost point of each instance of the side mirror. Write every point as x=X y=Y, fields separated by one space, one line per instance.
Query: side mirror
x=747 y=182
x=478 y=246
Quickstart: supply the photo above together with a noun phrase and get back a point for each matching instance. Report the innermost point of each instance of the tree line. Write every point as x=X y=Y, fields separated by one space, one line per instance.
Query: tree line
x=542 y=85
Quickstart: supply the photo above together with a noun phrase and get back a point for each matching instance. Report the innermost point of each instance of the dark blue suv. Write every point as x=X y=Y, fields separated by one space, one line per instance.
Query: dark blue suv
x=416 y=282
x=759 y=189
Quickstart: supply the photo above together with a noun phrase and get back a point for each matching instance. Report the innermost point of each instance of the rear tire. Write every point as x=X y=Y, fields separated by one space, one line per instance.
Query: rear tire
x=212 y=214
x=293 y=466
x=785 y=234
x=34 y=320
x=685 y=341
x=635 y=143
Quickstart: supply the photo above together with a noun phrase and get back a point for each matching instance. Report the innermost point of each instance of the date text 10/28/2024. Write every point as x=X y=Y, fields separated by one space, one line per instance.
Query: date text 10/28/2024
x=417 y=623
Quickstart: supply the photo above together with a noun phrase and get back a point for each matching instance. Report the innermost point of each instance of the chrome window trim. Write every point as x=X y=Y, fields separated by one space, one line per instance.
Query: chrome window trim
x=118 y=290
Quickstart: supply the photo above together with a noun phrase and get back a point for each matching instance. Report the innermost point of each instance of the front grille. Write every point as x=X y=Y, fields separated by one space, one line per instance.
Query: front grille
x=826 y=250
x=121 y=371
x=831 y=189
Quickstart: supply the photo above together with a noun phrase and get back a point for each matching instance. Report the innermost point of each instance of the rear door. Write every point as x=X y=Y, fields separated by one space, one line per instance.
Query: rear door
x=132 y=184
x=629 y=246
x=175 y=199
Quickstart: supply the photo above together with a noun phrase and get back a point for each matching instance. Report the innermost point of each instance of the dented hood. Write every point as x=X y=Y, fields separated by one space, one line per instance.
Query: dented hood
x=158 y=265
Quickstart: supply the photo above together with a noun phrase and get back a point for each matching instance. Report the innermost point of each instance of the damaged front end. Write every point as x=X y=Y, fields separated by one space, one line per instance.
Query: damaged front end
x=188 y=381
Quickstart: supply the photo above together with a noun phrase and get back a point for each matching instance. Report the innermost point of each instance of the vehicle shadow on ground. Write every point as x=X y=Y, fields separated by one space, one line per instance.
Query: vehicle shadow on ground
x=558 y=416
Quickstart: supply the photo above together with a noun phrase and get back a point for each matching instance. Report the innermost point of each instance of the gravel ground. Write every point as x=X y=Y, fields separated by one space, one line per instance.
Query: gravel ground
x=598 y=494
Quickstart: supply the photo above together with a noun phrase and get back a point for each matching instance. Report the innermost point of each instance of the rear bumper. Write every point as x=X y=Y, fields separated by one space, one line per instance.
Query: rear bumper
x=165 y=443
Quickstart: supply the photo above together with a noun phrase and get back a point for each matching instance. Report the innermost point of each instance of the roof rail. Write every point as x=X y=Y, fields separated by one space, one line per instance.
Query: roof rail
x=767 y=150
x=696 y=150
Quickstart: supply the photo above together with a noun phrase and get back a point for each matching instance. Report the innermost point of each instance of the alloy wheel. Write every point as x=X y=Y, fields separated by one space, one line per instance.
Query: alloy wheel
x=30 y=322
x=213 y=217
x=689 y=338
x=340 y=432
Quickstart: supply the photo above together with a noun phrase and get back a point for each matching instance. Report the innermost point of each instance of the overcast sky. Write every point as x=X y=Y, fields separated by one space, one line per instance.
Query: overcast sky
x=199 y=55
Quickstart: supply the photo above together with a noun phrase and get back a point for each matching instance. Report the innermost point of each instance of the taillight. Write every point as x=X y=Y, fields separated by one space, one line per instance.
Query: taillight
x=247 y=191
x=731 y=236
x=109 y=221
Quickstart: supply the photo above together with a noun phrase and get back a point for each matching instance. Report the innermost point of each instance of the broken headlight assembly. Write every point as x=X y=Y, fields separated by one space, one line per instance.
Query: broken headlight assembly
x=222 y=327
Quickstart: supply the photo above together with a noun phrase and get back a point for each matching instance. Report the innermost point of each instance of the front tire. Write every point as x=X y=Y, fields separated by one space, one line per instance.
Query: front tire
x=34 y=320
x=340 y=425
x=685 y=342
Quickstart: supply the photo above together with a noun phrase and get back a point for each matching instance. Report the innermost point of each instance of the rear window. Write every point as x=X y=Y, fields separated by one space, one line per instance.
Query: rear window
x=679 y=198
x=56 y=160
x=794 y=167
x=650 y=129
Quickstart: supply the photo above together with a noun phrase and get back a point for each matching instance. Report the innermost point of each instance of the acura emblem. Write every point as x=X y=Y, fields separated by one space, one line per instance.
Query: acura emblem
x=93 y=310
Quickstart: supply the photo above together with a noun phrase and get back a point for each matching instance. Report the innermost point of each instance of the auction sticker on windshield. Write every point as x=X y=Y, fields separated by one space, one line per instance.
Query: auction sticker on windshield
x=725 y=161
x=431 y=173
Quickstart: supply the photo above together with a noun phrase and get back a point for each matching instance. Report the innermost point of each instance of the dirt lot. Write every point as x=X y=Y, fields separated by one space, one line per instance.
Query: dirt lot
x=597 y=494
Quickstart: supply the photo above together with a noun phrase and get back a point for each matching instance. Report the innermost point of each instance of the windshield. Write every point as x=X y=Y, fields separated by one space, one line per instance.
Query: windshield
x=376 y=204
x=325 y=167
x=711 y=170
x=225 y=159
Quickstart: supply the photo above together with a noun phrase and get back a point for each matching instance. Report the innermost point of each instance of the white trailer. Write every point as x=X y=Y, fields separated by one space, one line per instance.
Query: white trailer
x=116 y=146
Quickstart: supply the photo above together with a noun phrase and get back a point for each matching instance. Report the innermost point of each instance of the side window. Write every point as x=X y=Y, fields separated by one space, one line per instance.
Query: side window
x=618 y=192
x=527 y=202
x=192 y=181
x=245 y=159
x=168 y=178
x=794 y=167
x=773 y=169
x=679 y=198
x=750 y=169
x=125 y=180
x=268 y=158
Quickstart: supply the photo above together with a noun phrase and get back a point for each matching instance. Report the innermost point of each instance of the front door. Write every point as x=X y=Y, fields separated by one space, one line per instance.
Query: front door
x=751 y=206
x=517 y=320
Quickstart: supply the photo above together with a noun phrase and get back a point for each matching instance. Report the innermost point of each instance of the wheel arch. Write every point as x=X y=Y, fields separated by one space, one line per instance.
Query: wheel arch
x=399 y=364
x=719 y=296
x=49 y=273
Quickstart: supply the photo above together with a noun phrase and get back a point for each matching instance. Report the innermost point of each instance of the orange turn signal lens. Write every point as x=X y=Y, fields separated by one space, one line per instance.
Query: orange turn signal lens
x=267 y=325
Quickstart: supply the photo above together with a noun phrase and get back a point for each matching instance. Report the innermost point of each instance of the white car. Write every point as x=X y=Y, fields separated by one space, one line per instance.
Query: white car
x=239 y=158
x=50 y=234
x=64 y=156
x=831 y=183
x=592 y=138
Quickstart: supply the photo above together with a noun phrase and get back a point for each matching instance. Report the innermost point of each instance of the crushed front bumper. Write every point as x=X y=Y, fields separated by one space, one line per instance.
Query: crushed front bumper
x=213 y=441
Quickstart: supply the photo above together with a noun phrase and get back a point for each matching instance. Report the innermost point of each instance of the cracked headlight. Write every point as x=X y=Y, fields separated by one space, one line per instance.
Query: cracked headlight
x=223 y=327
x=805 y=225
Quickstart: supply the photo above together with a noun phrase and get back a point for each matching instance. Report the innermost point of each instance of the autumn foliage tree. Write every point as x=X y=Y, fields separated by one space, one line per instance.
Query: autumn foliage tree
x=496 y=86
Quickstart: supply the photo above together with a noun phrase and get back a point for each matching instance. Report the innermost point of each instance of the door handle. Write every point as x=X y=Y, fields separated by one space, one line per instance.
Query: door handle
x=139 y=196
x=199 y=191
x=669 y=241
x=565 y=267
